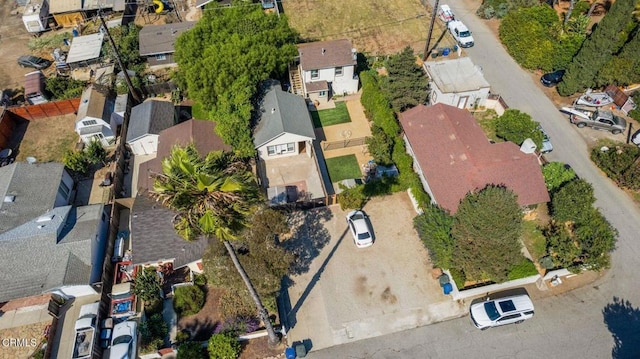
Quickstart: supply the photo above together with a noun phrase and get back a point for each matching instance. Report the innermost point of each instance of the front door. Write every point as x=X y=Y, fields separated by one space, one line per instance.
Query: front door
x=462 y=102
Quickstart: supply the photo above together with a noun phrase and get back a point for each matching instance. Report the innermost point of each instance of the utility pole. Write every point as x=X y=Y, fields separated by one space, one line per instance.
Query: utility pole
x=425 y=55
x=134 y=92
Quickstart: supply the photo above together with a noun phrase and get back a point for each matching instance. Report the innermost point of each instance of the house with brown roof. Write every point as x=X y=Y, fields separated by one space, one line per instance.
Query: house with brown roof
x=453 y=157
x=323 y=69
x=199 y=132
x=157 y=42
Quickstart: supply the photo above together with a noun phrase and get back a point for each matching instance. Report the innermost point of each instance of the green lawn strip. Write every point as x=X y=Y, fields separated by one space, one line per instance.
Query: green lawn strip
x=332 y=116
x=343 y=167
x=534 y=240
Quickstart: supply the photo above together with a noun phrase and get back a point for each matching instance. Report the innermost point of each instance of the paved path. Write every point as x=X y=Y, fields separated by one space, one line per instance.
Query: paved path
x=579 y=324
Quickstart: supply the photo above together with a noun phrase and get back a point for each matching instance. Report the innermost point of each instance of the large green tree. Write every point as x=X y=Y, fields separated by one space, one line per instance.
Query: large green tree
x=598 y=49
x=223 y=58
x=213 y=196
x=487 y=230
x=406 y=83
x=516 y=126
x=434 y=228
x=573 y=201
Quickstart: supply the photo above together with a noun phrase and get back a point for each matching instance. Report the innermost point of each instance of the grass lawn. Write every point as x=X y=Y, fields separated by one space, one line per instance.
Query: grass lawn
x=343 y=167
x=375 y=26
x=533 y=239
x=332 y=116
x=48 y=139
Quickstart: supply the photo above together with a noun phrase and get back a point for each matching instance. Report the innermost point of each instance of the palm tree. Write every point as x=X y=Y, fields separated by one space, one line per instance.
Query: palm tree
x=213 y=197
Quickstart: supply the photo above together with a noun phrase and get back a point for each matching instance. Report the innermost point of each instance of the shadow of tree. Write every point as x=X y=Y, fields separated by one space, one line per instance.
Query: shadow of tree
x=201 y=329
x=623 y=321
x=309 y=237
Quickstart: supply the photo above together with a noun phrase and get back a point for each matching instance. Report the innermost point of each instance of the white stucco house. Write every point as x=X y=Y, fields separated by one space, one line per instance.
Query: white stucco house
x=146 y=121
x=457 y=83
x=324 y=69
x=283 y=138
x=94 y=116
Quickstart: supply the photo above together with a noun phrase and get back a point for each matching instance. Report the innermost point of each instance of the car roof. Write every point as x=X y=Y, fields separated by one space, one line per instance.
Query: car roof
x=517 y=303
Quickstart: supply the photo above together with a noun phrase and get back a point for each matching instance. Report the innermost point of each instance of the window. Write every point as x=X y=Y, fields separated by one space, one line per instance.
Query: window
x=281 y=149
x=161 y=57
x=89 y=122
x=314 y=74
x=64 y=190
x=339 y=71
x=322 y=93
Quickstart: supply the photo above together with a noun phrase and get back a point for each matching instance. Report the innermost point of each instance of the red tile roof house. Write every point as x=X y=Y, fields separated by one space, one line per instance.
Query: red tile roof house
x=453 y=157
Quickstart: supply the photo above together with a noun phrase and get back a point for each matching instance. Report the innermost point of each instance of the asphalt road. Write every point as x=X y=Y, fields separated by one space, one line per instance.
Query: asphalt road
x=586 y=323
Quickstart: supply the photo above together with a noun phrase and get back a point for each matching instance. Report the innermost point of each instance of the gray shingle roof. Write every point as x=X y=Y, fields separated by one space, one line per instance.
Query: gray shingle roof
x=150 y=117
x=35 y=187
x=282 y=112
x=161 y=39
x=153 y=237
x=38 y=256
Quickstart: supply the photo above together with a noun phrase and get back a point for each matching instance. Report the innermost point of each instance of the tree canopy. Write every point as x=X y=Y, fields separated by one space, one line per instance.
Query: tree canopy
x=406 y=83
x=487 y=230
x=516 y=126
x=224 y=57
x=610 y=34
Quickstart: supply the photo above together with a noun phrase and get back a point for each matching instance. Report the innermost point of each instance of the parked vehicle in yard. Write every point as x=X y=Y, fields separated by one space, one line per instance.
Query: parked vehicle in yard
x=597 y=118
x=123 y=340
x=360 y=230
x=445 y=14
x=460 y=33
x=33 y=61
x=635 y=138
x=496 y=312
x=552 y=78
x=85 y=331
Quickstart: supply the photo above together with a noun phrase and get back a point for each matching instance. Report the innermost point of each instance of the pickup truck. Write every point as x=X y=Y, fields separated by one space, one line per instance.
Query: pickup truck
x=123 y=301
x=596 y=118
x=85 y=331
x=461 y=33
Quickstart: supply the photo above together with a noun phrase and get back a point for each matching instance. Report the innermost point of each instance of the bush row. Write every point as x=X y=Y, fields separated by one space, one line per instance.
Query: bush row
x=620 y=164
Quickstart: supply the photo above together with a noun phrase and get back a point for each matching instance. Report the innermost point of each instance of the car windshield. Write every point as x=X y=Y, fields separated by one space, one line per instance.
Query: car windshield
x=364 y=235
x=357 y=216
x=123 y=339
x=465 y=34
x=492 y=311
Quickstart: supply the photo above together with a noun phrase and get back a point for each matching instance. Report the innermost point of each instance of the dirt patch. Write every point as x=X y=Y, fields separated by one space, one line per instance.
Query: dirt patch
x=259 y=349
x=13 y=43
x=47 y=139
x=388 y=297
x=374 y=26
x=202 y=325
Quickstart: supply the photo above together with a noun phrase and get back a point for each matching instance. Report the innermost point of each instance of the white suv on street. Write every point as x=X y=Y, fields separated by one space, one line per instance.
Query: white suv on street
x=496 y=312
x=461 y=33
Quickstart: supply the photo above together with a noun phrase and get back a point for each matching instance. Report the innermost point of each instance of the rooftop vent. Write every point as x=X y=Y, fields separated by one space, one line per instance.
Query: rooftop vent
x=9 y=199
x=45 y=218
x=273 y=110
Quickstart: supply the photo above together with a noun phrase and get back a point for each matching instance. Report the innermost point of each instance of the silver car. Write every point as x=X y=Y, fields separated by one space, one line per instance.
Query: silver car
x=360 y=230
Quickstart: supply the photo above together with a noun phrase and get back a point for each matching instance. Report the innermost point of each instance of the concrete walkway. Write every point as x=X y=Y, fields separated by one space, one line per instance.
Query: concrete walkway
x=171 y=318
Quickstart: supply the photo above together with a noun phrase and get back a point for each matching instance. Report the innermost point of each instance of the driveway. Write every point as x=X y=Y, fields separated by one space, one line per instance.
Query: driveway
x=349 y=294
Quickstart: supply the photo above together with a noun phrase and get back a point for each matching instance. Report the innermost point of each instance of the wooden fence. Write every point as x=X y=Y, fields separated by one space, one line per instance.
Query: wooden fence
x=45 y=110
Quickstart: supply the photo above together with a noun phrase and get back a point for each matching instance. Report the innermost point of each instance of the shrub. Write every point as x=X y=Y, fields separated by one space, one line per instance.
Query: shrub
x=223 y=347
x=76 y=161
x=200 y=280
x=191 y=350
x=153 y=306
x=615 y=161
x=188 y=300
x=525 y=269
x=434 y=228
x=556 y=174
x=573 y=201
x=516 y=126
x=236 y=304
x=380 y=145
x=95 y=153
x=237 y=326
x=152 y=333
x=352 y=198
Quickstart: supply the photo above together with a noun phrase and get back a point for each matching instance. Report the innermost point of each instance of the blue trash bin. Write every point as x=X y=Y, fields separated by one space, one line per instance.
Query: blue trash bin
x=446 y=51
x=447 y=288
x=290 y=353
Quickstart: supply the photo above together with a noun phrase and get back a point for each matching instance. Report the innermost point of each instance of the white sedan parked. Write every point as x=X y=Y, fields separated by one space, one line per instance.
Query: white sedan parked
x=123 y=341
x=360 y=230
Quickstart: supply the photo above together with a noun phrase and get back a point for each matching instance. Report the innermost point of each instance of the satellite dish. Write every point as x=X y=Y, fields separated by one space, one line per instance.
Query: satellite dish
x=31 y=160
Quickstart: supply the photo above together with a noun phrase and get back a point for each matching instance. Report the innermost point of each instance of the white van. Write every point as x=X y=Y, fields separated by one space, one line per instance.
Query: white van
x=501 y=311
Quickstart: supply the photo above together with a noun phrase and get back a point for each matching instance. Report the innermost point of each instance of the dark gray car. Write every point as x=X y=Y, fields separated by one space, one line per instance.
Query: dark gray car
x=33 y=61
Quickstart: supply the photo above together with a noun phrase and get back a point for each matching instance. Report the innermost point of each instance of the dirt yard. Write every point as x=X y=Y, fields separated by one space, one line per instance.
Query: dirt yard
x=374 y=26
x=48 y=139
